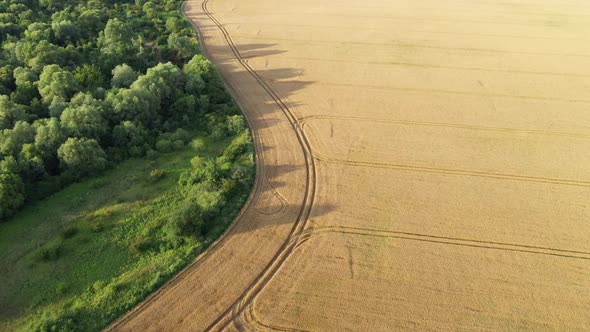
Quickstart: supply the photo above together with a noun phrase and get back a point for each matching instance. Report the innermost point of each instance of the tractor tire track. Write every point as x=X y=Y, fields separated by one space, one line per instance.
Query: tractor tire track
x=515 y=247
x=305 y=120
x=243 y=301
x=260 y=183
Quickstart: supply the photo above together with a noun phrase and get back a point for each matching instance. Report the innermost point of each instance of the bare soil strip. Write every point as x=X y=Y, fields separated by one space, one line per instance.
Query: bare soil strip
x=420 y=167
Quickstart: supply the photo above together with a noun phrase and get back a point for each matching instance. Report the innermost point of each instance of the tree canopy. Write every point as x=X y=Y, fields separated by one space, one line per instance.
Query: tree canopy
x=85 y=84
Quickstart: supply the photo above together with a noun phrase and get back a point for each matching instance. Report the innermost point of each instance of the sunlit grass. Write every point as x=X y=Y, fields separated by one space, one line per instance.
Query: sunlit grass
x=90 y=252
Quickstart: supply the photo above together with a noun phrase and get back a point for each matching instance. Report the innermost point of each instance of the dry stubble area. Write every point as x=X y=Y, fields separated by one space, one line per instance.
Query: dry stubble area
x=422 y=165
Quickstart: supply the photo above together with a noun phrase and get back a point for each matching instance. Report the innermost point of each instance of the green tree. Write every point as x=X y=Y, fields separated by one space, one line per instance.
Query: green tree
x=57 y=106
x=66 y=32
x=175 y=24
x=92 y=21
x=236 y=123
x=12 y=140
x=38 y=31
x=23 y=75
x=57 y=109
x=10 y=113
x=150 y=9
x=82 y=157
x=12 y=193
x=56 y=82
x=130 y=136
x=164 y=81
x=118 y=42
x=53 y=5
x=11 y=29
x=84 y=121
x=89 y=77
x=123 y=76
x=134 y=105
x=32 y=167
x=182 y=110
x=194 y=84
x=184 y=46
x=25 y=94
x=38 y=55
x=25 y=91
x=6 y=80
x=48 y=139
x=201 y=67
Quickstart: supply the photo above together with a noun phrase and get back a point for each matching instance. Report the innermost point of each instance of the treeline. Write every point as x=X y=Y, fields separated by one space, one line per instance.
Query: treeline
x=85 y=84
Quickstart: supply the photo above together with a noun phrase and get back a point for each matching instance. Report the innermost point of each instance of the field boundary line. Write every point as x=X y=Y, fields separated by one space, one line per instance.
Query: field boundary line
x=566 y=253
x=258 y=186
x=469 y=49
x=522 y=22
x=440 y=91
x=426 y=169
x=287 y=248
x=255 y=192
x=305 y=120
x=413 y=31
x=424 y=66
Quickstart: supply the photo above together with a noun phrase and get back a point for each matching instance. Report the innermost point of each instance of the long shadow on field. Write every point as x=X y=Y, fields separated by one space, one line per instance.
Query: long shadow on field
x=271 y=206
x=250 y=51
x=257 y=61
x=275 y=172
x=269 y=106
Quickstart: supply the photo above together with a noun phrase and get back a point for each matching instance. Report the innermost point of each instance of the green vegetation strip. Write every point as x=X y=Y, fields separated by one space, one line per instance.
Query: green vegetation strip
x=81 y=258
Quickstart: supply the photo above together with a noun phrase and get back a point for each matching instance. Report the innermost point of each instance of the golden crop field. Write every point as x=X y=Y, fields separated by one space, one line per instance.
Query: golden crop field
x=422 y=165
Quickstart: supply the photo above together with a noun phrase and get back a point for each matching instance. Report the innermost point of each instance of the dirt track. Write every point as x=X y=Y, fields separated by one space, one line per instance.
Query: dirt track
x=421 y=166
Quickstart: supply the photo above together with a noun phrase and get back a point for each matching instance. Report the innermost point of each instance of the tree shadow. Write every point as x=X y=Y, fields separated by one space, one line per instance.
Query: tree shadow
x=249 y=51
x=244 y=54
x=274 y=86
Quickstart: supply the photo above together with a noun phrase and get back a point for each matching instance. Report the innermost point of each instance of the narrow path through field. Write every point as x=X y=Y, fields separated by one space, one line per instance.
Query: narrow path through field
x=421 y=166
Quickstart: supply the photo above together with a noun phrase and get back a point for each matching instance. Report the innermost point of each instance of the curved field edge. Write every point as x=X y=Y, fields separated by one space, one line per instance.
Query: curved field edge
x=236 y=311
x=260 y=104
x=248 y=202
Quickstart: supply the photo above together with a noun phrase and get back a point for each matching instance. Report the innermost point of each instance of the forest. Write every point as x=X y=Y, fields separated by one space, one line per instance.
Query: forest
x=122 y=157
x=86 y=84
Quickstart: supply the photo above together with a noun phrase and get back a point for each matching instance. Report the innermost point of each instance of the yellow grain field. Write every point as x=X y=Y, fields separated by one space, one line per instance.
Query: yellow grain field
x=422 y=165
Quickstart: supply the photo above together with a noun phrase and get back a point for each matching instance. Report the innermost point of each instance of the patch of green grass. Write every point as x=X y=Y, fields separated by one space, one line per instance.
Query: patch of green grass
x=82 y=257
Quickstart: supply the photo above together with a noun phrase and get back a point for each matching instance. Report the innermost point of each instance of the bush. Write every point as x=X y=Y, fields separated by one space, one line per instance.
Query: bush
x=198 y=144
x=136 y=151
x=177 y=145
x=237 y=147
x=181 y=134
x=164 y=145
x=242 y=174
x=188 y=220
x=12 y=192
x=206 y=170
x=152 y=154
x=61 y=321
x=219 y=131
x=236 y=123
x=139 y=244
x=69 y=232
x=96 y=227
x=157 y=174
x=48 y=253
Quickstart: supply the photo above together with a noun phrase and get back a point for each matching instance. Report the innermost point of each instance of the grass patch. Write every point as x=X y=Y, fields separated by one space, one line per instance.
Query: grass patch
x=82 y=257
